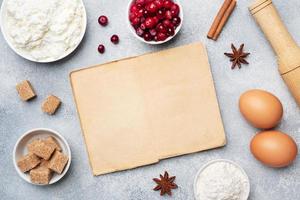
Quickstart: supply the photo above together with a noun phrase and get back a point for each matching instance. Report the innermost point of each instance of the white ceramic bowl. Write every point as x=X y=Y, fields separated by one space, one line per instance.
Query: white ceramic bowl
x=21 y=150
x=26 y=56
x=247 y=192
x=131 y=28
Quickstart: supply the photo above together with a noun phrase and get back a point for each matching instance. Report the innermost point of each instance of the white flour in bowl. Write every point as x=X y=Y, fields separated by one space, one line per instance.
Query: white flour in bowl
x=221 y=180
x=44 y=29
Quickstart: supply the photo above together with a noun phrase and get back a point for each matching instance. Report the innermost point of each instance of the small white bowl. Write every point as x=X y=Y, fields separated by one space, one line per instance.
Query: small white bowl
x=222 y=160
x=20 y=150
x=23 y=54
x=131 y=28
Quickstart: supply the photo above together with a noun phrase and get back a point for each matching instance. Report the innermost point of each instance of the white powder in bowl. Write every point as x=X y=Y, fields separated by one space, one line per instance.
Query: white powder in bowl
x=222 y=180
x=44 y=30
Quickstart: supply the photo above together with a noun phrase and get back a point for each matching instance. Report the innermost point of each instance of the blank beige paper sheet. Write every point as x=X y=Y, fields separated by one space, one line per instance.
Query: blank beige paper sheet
x=139 y=110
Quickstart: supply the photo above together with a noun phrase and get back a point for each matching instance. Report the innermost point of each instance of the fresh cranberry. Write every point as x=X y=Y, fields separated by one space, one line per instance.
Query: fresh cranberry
x=168 y=14
x=135 y=21
x=168 y=23
x=159 y=3
x=132 y=16
x=171 y=31
x=143 y=19
x=150 y=22
x=175 y=10
x=146 y=13
x=103 y=20
x=147 y=37
x=138 y=5
x=156 y=20
x=160 y=14
x=140 y=13
x=134 y=8
x=151 y=7
x=176 y=21
x=153 y=32
x=161 y=36
x=168 y=4
x=142 y=2
x=148 y=1
x=139 y=32
x=143 y=26
x=101 y=48
x=161 y=29
x=114 y=39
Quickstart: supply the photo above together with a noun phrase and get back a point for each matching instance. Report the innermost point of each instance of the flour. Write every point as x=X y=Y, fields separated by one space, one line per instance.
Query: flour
x=222 y=181
x=44 y=29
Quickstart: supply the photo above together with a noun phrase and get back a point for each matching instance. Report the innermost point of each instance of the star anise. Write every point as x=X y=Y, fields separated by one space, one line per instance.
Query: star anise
x=237 y=57
x=165 y=184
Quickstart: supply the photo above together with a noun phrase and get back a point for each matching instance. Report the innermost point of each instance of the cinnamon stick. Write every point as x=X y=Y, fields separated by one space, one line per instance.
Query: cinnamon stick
x=221 y=19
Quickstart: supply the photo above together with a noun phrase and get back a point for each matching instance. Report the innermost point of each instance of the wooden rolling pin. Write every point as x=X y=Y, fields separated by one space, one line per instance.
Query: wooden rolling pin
x=288 y=52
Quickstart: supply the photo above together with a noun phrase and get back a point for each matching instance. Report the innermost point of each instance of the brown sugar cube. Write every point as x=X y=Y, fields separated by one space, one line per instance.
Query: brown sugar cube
x=41 y=149
x=51 y=141
x=51 y=104
x=28 y=162
x=40 y=175
x=25 y=90
x=58 y=162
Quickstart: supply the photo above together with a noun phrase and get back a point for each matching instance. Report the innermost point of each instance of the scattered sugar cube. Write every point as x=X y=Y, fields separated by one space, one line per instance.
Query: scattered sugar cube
x=51 y=104
x=25 y=90
x=28 y=162
x=58 y=162
x=51 y=141
x=40 y=175
x=41 y=149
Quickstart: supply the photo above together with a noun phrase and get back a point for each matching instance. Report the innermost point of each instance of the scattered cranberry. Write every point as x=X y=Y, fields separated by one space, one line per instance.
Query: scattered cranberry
x=114 y=39
x=154 y=20
x=101 y=48
x=103 y=20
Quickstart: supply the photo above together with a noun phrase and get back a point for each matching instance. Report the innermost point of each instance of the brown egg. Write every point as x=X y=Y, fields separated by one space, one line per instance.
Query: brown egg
x=261 y=108
x=274 y=148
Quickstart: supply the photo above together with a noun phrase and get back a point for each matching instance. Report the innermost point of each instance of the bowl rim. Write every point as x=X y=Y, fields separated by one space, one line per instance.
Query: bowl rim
x=221 y=160
x=27 y=57
x=132 y=30
x=58 y=135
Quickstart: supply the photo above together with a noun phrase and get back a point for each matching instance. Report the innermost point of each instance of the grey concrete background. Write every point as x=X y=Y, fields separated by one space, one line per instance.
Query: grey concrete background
x=16 y=117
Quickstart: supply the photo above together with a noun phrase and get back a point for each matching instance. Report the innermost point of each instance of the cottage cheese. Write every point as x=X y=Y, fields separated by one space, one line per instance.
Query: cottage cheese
x=44 y=30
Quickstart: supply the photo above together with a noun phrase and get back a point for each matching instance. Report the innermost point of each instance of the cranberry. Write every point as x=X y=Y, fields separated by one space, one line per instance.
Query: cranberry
x=114 y=39
x=147 y=37
x=152 y=32
x=142 y=2
x=103 y=20
x=143 y=19
x=134 y=8
x=132 y=16
x=135 y=21
x=139 y=32
x=168 y=23
x=143 y=26
x=171 y=31
x=146 y=13
x=148 y=1
x=168 y=14
x=160 y=14
x=175 y=10
x=159 y=3
x=176 y=21
x=150 y=22
x=140 y=13
x=160 y=28
x=151 y=7
x=101 y=48
x=161 y=36
x=168 y=4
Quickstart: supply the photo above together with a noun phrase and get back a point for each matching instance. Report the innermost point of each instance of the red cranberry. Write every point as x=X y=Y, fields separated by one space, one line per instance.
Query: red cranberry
x=142 y=2
x=168 y=14
x=168 y=4
x=139 y=32
x=176 y=21
x=101 y=48
x=161 y=36
x=151 y=7
x=146 y=13
x=143 y=26
x=103 y=20
x=175 y=10
x=140 y=13
x=148 y=1
x=150 y=22
x=160 y=14
x=143 y=19
x=171 y=31
x=135 y=21
x=114 y=39
x=159 y=3
x=168 y=23
x=152 y=32
x=134 y=8
x=160 y=28
x=132 y=16
x=147 y=37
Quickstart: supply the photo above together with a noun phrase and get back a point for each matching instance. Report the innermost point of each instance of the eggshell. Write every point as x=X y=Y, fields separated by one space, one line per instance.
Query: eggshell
x=261 y=108
x=274 y=148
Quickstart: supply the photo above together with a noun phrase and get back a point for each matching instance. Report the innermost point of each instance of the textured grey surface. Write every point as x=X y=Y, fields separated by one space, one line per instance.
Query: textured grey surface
x=16 y=117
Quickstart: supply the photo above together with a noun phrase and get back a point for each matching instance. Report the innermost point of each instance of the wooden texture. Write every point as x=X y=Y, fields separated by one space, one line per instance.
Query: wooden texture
x=137 y=111
x=288 y=52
